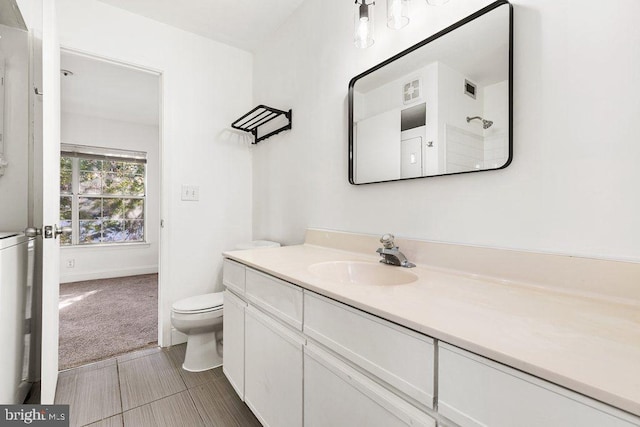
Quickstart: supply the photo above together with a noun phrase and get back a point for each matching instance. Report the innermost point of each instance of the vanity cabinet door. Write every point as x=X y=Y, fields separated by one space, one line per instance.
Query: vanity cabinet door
x=474 y=391
x=233 y=348
x=337 y=395
x=273 y=370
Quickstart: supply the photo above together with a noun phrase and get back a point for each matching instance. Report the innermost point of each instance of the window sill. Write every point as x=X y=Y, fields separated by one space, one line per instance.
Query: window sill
x=137 y=245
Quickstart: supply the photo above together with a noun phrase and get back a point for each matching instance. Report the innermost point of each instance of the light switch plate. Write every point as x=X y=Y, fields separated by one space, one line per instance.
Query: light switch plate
x=190 y=193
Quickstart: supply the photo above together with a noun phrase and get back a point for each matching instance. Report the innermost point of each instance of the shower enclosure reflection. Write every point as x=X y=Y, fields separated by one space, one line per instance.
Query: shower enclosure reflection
x=441 y=107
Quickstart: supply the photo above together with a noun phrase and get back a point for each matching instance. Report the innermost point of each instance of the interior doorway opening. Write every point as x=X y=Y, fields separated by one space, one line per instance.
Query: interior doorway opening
x=110 y=191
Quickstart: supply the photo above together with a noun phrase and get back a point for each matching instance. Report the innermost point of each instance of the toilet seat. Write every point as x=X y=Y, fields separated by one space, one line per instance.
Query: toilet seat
x=199 y=303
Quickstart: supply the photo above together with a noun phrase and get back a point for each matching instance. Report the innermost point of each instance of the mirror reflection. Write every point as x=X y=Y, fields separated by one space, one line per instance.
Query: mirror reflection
x=441 y=107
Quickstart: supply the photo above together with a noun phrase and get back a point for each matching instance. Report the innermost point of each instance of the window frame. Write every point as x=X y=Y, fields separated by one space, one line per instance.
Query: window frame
x=77 y=153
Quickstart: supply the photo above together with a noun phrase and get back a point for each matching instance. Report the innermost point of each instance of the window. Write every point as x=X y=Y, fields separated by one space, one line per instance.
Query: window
x=102 y=195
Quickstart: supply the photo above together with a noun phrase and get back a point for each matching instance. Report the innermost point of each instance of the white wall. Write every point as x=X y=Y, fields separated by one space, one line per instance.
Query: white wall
x=206 y=86
x=15 y=181
x=496 y=138
x=115 y=261
x=573 y=184
x=459 y=150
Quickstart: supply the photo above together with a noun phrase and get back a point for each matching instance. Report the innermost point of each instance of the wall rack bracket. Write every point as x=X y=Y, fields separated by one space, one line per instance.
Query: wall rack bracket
x=260 y=116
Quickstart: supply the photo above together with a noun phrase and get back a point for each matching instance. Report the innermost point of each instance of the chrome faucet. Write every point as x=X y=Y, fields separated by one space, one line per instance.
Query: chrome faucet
x=391 y=254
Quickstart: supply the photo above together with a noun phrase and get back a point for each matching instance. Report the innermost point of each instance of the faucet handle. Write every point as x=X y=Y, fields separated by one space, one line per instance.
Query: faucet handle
x=387 y=240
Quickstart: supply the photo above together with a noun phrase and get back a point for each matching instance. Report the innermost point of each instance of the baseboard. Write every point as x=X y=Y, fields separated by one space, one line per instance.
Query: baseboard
x=177 y=337
x=108 y=274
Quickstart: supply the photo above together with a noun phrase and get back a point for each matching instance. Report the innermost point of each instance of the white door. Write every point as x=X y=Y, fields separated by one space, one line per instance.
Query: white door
x=45 y=184
x=411 y=158
x=273 y=370
x=376 y=148
x=233 y=332
x=337 y=395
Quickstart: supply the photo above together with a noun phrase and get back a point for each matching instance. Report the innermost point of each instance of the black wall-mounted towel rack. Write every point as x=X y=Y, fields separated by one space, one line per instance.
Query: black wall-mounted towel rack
x=259 y=116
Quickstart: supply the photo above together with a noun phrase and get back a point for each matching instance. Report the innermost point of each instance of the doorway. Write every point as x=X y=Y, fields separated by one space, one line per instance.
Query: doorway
x=110 y=191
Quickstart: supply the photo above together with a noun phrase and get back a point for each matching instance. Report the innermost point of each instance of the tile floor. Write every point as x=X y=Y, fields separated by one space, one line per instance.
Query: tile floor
x=149 y=388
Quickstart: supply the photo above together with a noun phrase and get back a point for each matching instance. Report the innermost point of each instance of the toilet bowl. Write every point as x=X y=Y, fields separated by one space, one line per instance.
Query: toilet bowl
x=200 y=318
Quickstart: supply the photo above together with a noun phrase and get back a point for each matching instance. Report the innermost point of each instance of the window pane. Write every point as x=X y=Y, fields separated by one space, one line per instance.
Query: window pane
x=116 y=184
x=112 y=231
x=134 y=168
x=113 y=208
x=112 y=166
x=136 y=186
x=134 y=230
x=65 y=163
x=90 y=183
x=65 y=238
x=65 y=181
x=90 y=232
x=90 y=165
x=133 y=208
x=90 y=208
x=65 y=207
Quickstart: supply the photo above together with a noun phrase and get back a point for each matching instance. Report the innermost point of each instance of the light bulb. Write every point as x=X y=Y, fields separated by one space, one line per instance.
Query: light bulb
x=397 y=13
x=363 y=24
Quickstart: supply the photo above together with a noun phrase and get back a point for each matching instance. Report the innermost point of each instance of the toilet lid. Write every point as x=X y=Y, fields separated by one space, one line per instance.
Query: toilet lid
x=199 y=303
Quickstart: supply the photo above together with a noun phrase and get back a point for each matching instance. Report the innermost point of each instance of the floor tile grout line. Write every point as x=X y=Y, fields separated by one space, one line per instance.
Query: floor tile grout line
x=140 y=356
x=204 y=423
x=110 y=416
x=88 y=366
x=153 y=401
x=120 y=392
x=165 y=354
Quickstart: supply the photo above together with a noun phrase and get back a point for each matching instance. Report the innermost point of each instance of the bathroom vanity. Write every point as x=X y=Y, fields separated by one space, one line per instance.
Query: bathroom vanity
x=318 y=335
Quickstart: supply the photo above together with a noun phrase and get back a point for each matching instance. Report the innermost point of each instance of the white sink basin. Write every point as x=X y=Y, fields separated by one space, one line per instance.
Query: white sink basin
x=362 y=273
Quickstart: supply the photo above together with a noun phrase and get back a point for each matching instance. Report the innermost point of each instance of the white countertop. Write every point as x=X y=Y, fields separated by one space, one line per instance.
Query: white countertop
x=588 y=345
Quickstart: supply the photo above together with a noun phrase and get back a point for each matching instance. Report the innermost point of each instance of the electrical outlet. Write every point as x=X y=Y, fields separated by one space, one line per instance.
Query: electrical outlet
x=71 y=263
x=190 y=193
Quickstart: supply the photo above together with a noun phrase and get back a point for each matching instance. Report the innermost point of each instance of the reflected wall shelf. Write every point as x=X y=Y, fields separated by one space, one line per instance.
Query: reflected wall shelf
x=260 y=116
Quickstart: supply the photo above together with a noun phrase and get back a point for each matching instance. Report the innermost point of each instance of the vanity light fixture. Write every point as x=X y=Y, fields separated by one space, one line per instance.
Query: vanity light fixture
x=363 y=27
x=397 y=17
x=397 y=14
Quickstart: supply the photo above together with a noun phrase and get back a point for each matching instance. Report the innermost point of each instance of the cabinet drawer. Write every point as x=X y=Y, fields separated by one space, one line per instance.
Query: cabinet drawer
x=474 y=391
x=281 y=299
x=336 y=395
x=233 y=276
x=398 y=356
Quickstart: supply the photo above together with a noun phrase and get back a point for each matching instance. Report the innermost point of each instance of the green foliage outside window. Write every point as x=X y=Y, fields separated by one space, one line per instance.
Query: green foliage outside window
x=107 y=205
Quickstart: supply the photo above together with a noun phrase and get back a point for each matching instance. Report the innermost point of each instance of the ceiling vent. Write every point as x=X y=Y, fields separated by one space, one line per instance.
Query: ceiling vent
x=412 y=91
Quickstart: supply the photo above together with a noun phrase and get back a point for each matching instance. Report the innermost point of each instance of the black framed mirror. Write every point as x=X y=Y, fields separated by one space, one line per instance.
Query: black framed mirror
x=441 y=107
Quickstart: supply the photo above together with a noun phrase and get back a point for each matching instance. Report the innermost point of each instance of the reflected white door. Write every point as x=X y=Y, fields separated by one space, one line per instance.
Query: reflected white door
x=376 y=148
x=411 y=158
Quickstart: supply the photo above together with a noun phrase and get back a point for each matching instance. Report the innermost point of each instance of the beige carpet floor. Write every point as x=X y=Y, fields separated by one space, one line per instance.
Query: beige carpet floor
x=103 y=318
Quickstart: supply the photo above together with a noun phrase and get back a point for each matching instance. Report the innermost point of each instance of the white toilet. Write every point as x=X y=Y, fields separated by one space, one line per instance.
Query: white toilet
x=200 y=318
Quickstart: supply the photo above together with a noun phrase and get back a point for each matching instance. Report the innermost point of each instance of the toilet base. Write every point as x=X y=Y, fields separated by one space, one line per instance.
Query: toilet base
x=202 y=353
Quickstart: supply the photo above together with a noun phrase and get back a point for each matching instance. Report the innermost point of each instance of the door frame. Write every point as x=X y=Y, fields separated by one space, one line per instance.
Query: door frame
x=163 y=264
